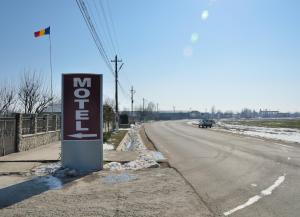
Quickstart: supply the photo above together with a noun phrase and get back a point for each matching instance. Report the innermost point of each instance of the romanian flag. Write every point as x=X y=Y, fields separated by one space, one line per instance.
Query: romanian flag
x=42 y=32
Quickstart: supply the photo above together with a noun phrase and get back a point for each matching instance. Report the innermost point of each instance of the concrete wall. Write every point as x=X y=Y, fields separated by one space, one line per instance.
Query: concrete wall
x=34 y=140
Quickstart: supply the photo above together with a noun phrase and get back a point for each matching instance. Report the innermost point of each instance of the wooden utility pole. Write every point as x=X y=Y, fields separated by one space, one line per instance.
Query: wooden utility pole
x=143 y=108
x=157 y=111
x=116 y=61
x=132 y=92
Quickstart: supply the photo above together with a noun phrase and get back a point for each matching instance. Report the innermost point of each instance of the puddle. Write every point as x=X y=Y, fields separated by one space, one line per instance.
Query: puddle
x=113 y=179
x=51 y=182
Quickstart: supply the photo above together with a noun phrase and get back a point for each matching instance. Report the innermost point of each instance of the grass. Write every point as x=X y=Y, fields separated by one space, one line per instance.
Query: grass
x=272 y=123
x=114 y=138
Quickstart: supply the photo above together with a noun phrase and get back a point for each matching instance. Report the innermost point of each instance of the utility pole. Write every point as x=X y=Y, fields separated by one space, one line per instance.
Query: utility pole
x=132 y=92
x=116 y=61
x=143 y=108
x=157 y=111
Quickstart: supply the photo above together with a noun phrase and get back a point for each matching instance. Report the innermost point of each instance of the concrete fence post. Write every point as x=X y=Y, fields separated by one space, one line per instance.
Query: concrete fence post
x=19 y=121
x=56 y=119
x=47 y=122
x=34 y=130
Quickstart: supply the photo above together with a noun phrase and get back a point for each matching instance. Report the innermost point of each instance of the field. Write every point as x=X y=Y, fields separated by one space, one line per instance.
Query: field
x=272 y=123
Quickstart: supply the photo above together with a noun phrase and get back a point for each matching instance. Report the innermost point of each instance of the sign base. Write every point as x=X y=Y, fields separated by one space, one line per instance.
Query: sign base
x=82 y=156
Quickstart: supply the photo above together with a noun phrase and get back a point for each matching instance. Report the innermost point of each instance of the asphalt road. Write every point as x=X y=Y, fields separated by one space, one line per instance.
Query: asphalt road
x=234 y=175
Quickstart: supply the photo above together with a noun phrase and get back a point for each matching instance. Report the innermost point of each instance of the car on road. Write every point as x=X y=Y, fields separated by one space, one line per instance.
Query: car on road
x=205 y=123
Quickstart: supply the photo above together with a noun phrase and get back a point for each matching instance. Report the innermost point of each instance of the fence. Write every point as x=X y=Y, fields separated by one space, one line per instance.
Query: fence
x=32 y=124
x=7 y=135
x=21 y=132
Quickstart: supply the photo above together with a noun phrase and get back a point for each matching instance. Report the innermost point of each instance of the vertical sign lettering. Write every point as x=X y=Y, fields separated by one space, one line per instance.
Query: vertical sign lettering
x=81 y=107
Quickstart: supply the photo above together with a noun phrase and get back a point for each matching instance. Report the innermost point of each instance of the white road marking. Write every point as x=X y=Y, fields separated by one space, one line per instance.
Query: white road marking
x=254 y=185
x=248 y=203
x=256 y=198
x=269 y=190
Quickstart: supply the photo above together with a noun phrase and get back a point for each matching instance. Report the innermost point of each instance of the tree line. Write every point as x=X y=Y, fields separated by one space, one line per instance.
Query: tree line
x=30 y=95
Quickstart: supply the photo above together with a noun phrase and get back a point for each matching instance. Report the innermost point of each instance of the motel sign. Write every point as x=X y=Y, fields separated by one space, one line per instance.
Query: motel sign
x=82 y=142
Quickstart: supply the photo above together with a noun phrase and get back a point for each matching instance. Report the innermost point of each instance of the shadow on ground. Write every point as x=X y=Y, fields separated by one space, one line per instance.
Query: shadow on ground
x=35 y=186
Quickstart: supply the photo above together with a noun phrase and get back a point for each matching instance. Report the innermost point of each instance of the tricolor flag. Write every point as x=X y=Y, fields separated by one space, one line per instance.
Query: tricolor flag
x=42 y=32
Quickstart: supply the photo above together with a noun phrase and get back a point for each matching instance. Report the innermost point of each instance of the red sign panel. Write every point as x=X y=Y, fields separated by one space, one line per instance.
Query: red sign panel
x=82 y=106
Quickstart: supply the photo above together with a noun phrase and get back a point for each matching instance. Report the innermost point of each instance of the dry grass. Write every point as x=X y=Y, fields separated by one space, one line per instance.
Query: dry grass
x=115 y=138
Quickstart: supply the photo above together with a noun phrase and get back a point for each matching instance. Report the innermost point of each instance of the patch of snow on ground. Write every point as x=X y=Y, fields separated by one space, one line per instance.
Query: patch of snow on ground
x=146 y=158
x=143 y=161
x=133 y=141
x=193 y=122
x=285 y=134
x=47 y=169
x=156 y=155
x=113 y=166
x=107 y=146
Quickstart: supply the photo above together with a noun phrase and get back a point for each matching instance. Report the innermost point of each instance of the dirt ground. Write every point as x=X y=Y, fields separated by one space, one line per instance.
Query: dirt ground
x=151 y=192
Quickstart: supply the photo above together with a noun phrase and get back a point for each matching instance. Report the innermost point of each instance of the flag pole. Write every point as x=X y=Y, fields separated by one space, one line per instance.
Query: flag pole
x=51 y=72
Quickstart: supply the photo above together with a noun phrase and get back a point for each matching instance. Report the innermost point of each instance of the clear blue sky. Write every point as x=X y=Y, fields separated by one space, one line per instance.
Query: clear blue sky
x=187 y=53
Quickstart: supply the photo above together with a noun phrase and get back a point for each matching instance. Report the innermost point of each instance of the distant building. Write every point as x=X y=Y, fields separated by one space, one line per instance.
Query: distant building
x=194 y=114
x=268 y=114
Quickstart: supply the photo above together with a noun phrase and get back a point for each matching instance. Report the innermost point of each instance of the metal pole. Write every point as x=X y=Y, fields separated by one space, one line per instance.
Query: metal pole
x=51 y=73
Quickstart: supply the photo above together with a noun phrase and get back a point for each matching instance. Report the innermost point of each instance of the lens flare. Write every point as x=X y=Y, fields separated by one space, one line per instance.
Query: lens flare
x=204 y=15
x=194 y=37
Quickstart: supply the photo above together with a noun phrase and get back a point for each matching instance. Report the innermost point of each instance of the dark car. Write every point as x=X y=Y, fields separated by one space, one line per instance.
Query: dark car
x=206 y=123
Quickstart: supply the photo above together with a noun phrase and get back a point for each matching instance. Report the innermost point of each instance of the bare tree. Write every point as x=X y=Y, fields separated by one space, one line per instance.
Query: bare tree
x=7 y=99
x=108 y=112
x=33 y=96
x=213 y=111
x=151 y=107
x=148 y=113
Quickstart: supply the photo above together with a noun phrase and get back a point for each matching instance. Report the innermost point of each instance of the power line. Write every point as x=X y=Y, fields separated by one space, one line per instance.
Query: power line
x=124 y=92
x=102 y=27
x=113 y=26
x=107 y=26
x=95 y=36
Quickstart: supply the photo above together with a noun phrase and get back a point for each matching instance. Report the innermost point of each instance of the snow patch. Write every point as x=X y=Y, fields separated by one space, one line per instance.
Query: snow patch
x=133 y=141
x=143 y=161
x=193 y=122
x=108 y=147
x=47 y=169
x=285 y=134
